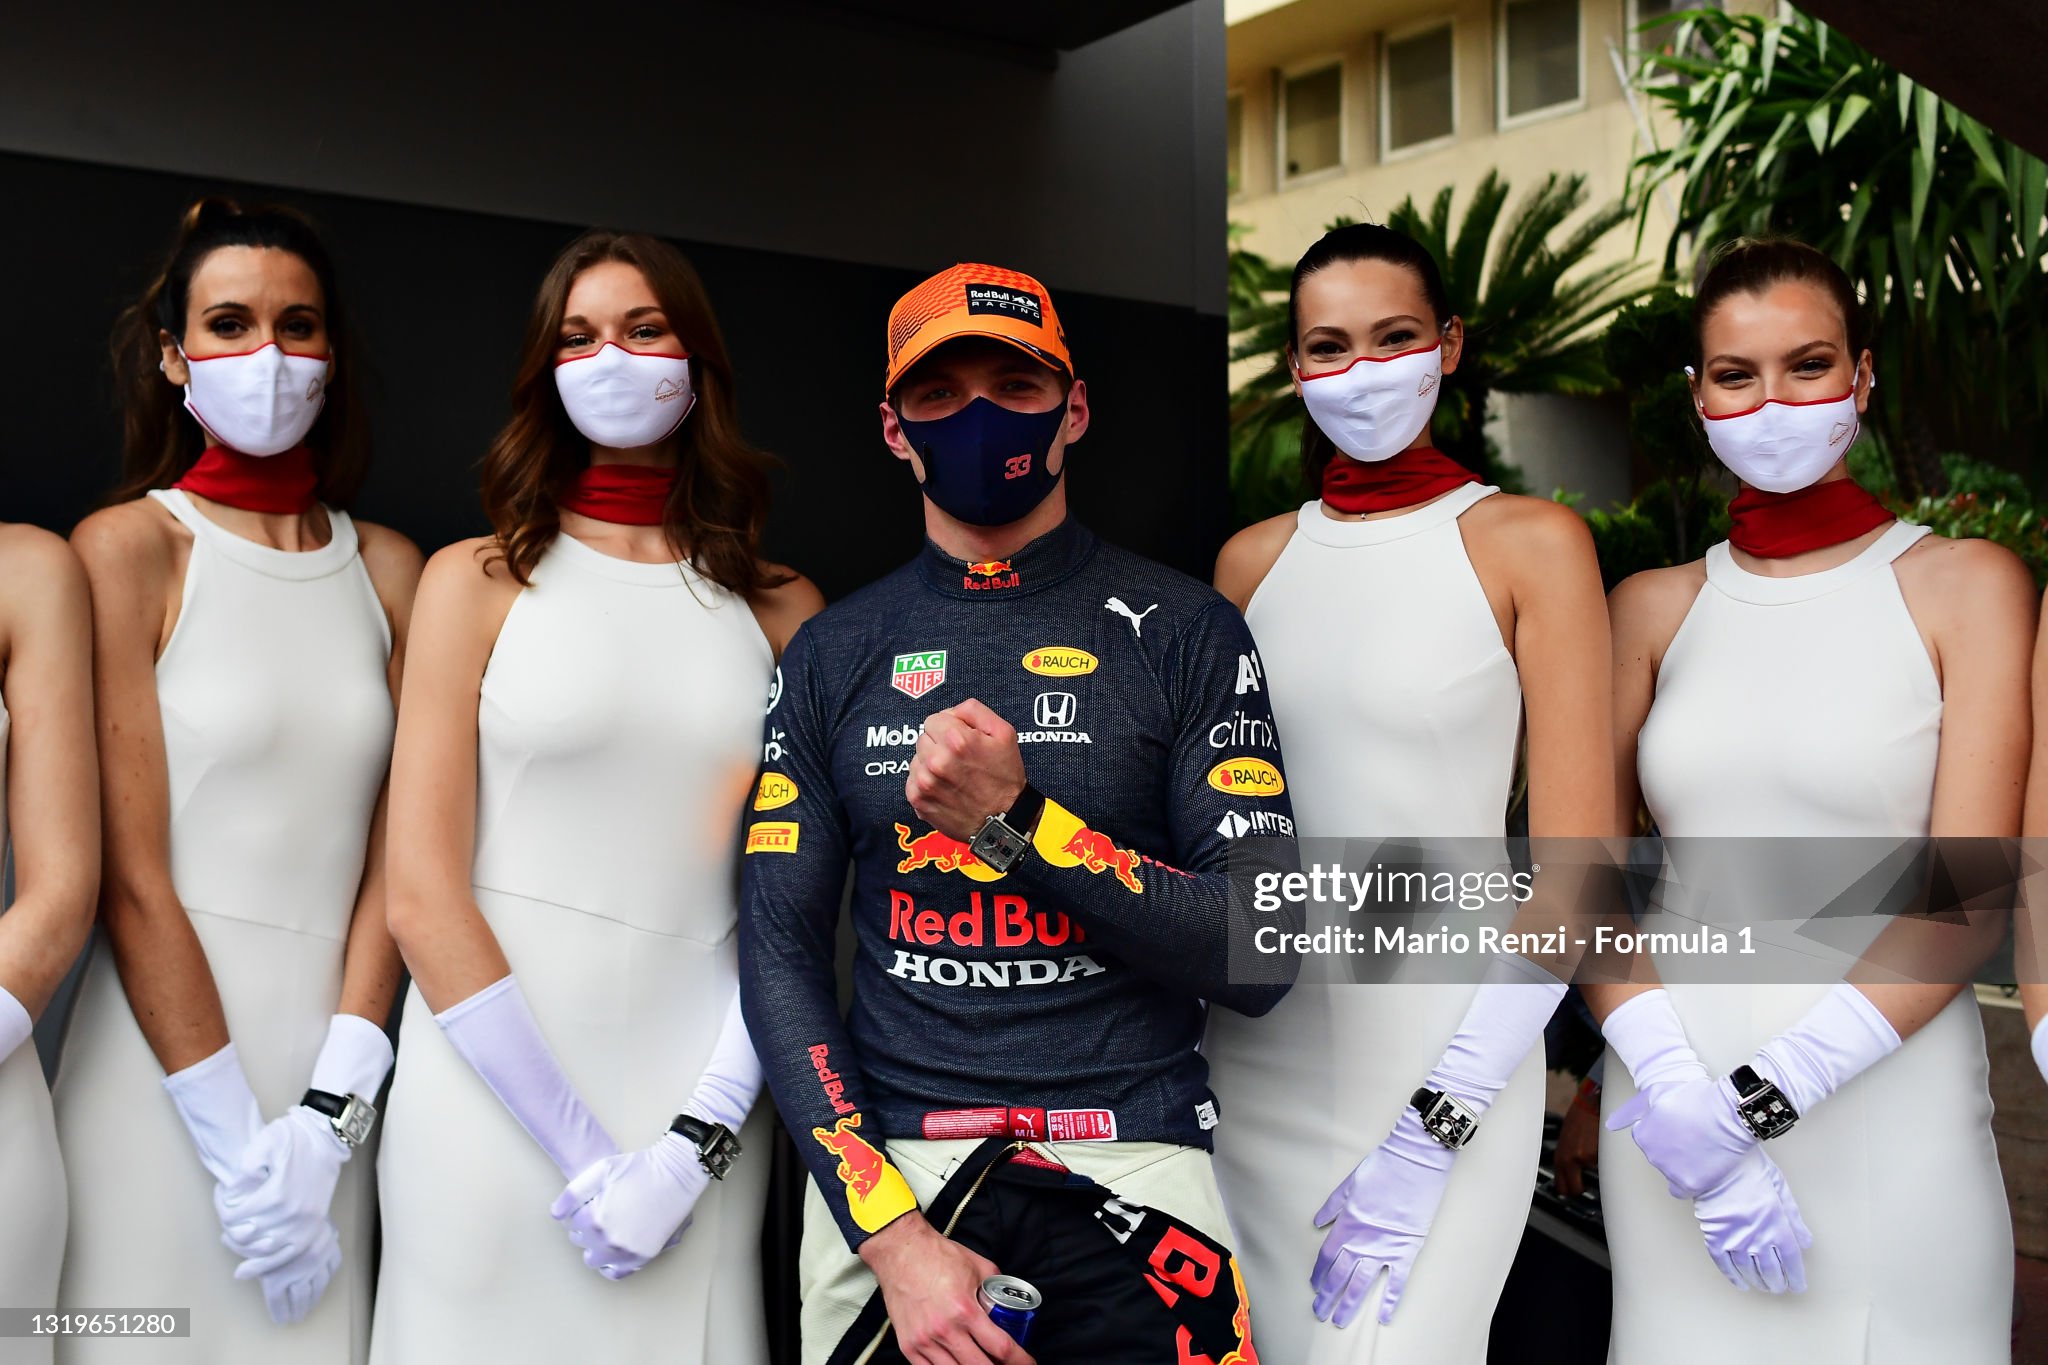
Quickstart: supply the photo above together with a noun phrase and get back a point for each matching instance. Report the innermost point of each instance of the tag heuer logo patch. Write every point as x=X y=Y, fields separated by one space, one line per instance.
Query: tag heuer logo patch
x=916 y=674
x=1000 y=298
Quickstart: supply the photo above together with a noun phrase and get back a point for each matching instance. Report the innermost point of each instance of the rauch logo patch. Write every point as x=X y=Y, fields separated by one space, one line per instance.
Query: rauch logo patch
x=1247 y=777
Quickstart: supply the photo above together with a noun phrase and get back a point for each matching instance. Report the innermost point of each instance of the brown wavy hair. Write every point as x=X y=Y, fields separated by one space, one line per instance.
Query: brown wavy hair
x=720 y=501
x=159 y=439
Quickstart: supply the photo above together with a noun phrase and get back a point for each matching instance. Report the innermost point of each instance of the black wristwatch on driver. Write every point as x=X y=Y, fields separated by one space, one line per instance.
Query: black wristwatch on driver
x=1764 y=1109
x=351 y=1115
x=1445 y=1117
x=717 y=1145
x=1003 y=839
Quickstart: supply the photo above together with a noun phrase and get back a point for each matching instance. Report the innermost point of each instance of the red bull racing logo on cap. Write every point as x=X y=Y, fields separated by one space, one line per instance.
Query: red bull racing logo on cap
x=917 y=673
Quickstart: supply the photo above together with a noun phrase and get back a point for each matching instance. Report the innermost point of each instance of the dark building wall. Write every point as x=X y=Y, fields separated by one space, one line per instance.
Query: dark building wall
x=812 y=167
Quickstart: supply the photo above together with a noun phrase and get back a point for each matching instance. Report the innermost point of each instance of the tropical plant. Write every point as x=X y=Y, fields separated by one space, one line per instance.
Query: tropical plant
x=1645 y=533
x=1525 y=285
x=1784 y=126
x=1646 y=348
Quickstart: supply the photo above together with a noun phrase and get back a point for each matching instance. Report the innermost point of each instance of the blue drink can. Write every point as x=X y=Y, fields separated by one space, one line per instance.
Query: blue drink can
x=1011 y=1304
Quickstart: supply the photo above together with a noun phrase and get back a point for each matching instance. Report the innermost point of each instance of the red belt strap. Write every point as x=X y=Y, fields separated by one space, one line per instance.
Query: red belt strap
x=1037 y=1125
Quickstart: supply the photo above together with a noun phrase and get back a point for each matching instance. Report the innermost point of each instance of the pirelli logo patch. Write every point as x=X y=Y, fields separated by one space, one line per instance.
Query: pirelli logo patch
x=772 y=836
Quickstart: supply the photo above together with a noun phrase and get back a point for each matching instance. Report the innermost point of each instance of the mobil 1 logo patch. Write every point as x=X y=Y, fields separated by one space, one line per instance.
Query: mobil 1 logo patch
x=1001 y=299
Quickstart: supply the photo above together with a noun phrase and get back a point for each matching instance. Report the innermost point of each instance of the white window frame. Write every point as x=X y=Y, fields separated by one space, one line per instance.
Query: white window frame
x=1237 y=192
x=1505 y=120
x=1633 y=17
x=1308 y=67
x=1389 y=152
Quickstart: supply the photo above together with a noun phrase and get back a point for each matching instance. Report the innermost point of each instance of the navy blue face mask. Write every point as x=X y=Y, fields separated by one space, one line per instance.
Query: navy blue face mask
x=985 y=464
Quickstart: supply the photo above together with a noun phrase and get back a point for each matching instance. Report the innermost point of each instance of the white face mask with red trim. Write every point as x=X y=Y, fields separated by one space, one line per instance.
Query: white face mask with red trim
x=262 y=402
x=1376 y=406
x=1780 y=446
x=625 y=399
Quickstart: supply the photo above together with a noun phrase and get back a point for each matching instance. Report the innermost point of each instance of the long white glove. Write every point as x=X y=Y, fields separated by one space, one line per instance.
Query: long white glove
x=1753 y=1229
x=290 y=1289
x=15 y=1025
x=1836 y=1040
x=219 y=1109
x=626 y=1210
x=2041 y=1047
x=1382 y=1212
x=1689 y=1125
x=288 y=1173
x=496 y=1033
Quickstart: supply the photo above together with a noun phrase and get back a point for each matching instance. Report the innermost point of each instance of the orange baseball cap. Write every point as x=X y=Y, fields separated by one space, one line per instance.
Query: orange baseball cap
x=980 y=301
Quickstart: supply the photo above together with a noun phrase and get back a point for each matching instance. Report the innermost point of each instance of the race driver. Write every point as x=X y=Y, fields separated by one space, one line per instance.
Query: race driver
x=1036 y=750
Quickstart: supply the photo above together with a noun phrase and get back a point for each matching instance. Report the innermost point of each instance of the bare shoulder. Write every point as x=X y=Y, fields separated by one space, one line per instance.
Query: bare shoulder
x=1541 y=523
x=129 y=541
x=45 y=580
x=31 y=555
x=389 y=555
x=1247 y=557
x=787 y=605
x=468 y=573
x=1647 y=607
x=1967 y=580
x=1533 y=534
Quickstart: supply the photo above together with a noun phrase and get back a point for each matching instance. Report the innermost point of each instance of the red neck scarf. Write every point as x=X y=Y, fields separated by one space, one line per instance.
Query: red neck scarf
x=630 y=494
x=1417 y=475
x=254 y=483
x=1777 y=525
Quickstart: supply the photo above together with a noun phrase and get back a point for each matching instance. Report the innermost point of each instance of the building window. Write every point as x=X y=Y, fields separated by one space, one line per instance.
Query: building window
x=1233 y=142
x=1418 y=85
x=1659 y=39
x=1539 y=57
x=1311 y=120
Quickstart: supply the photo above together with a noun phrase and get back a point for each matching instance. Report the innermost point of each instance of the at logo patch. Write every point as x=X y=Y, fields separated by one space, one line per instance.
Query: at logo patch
x=774 y=792
x=1247 y=777
x=918 y=673
x=772 y=836
x=1056 y=661
x=1005 y=301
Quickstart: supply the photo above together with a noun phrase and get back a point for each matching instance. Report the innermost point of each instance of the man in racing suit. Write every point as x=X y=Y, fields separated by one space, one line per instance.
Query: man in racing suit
x=1017 y=1088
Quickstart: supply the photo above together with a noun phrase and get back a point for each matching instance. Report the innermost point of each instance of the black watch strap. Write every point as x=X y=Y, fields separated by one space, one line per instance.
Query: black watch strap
x=325 y=1102
x=717 y=1145
x=1762 y=1107
x=1023 y=813
x=351 y=1115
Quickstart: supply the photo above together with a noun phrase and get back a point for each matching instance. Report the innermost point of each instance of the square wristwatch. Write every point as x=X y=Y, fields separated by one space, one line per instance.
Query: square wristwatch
x=1445 y=1117
x=351 y=1115
x=1762 y=1106
x=1003 y=839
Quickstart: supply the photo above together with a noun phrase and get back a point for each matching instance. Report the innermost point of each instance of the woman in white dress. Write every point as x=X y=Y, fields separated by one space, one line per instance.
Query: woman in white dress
x=248 y=636
x=1406 y=620
x=2030 y=922
x=1832 y=673
x=49 y=786
x=578 y=742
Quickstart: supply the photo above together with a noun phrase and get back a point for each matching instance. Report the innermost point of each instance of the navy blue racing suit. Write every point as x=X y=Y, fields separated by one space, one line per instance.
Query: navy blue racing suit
x=1071 y=988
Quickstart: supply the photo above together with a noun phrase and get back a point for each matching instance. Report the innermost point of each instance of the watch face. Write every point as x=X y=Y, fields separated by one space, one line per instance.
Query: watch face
x=997 y=844
x=354 y=1123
